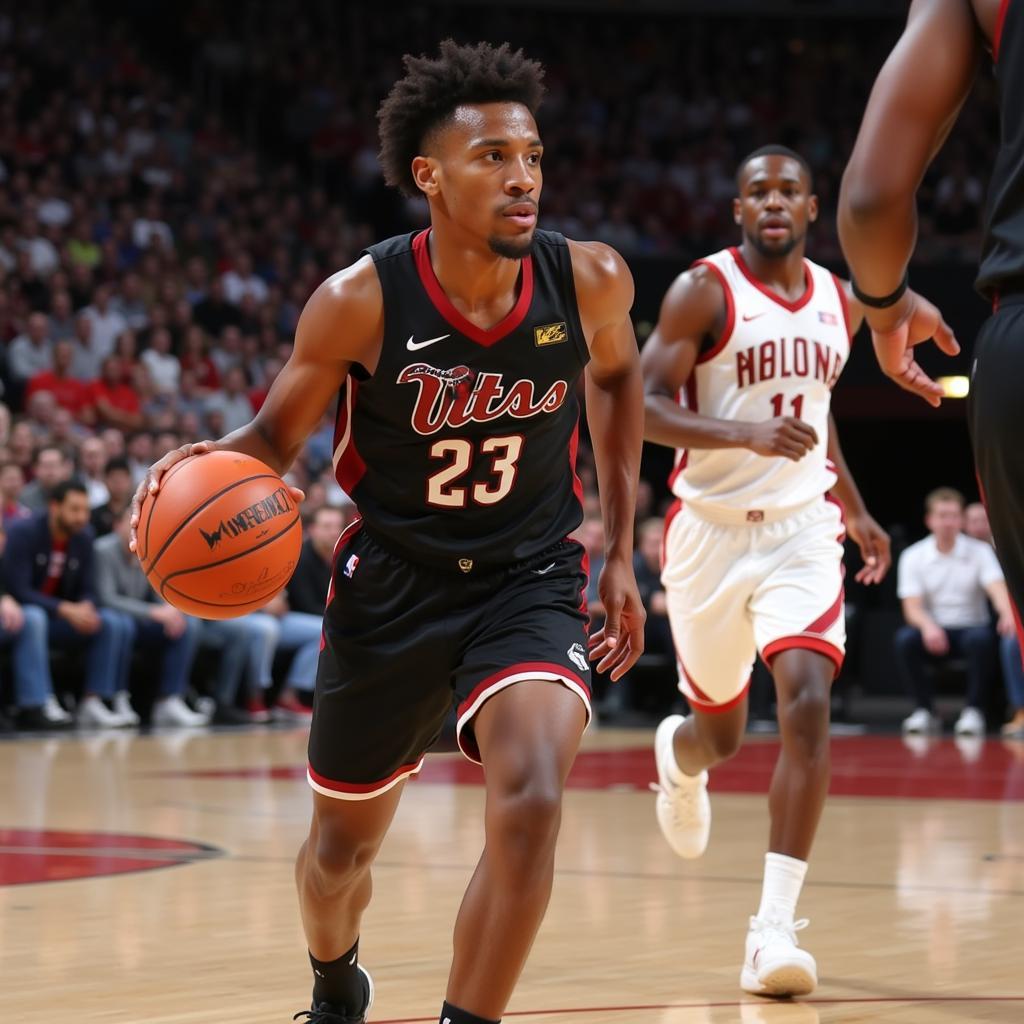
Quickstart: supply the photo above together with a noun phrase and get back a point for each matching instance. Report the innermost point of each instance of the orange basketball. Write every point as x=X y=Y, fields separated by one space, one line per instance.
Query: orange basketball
x=221 y=537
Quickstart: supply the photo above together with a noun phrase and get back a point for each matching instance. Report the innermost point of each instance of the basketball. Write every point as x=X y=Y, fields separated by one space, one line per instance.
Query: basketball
x=220 y=537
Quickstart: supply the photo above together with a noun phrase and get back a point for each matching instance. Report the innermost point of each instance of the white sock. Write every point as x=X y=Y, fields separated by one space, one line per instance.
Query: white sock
x=783 y=880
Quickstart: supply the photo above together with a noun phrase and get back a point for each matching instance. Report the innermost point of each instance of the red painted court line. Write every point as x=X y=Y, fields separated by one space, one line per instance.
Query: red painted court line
x=862 y=766
x=735 y=1003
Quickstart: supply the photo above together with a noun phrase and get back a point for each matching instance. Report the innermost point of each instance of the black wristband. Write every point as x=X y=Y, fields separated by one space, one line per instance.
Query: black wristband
x=887 y=300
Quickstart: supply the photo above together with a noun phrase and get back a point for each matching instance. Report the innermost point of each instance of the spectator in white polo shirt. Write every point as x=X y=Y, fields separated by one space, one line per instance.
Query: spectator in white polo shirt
x=943 y=582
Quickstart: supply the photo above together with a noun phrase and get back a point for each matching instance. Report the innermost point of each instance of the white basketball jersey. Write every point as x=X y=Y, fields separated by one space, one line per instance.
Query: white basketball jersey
x=774 y=358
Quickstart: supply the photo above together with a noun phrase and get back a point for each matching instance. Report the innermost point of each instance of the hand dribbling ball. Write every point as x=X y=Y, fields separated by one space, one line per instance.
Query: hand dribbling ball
x=221 y=537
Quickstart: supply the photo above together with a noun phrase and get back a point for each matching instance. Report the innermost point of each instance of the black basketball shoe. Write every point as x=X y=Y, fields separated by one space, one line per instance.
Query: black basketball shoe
x=327 y=1014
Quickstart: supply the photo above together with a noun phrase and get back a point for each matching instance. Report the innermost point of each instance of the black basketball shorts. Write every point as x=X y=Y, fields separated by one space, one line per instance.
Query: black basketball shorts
x=403 y=642
x=996 y=416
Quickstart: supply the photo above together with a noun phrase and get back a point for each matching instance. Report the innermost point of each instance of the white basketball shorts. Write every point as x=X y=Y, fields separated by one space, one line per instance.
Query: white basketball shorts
x=738 y=589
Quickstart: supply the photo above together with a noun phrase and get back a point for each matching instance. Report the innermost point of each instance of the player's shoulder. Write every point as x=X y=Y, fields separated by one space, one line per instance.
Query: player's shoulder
x=602 y=278
x=344 y=315
x=346 y=290
x=699 y=292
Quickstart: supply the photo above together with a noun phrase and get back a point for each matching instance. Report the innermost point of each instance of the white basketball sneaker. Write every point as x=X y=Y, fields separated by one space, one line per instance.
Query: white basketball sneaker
x=683 y=807
x=775 y=965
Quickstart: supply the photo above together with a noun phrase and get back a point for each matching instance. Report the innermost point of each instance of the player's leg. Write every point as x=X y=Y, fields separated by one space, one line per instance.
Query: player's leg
x=380 y=702
x=528 y=735
x=332 y=874
x=523 y=686
x=800 y=628
x=707 y=588
x=803 y=685
x=997 y=425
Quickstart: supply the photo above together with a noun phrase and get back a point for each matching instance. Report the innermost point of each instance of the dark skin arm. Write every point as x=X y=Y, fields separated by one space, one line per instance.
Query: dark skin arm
x=914 y=103
x=318 y=366
x=872 y=540
x=693 y=309
x=615 y=415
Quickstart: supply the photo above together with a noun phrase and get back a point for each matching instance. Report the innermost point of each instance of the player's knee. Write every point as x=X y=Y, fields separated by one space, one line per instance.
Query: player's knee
x=339 y=859
x=524 y=818
x=804 y=714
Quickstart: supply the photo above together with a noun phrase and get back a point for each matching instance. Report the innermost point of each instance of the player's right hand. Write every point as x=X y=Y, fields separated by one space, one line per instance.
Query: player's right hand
x=784 y=436
x=917 y=320
x=151 y=483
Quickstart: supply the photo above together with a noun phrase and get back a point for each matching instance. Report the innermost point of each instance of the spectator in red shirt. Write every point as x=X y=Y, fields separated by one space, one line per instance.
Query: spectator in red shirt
x=195 y=358
x=70 y=393
x=115 y=403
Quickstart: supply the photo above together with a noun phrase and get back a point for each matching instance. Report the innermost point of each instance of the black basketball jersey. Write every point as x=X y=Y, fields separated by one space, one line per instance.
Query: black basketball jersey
x=460 y=449
x=1002 y=260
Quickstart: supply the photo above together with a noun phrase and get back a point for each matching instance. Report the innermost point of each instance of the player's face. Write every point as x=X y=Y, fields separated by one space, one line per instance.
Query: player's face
x=484 y=170
x=775 y=205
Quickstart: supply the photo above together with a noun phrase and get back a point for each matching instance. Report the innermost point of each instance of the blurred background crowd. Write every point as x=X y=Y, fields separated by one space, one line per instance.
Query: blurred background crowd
x=175 y=180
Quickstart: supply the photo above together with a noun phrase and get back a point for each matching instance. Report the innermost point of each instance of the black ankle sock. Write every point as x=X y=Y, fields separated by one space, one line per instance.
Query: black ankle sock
x=453 y=1015
x=339 y=982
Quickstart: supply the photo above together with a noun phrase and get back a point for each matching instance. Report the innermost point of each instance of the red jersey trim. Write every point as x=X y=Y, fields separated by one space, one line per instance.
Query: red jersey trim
x=997 y=35
x=359 y=790
x=349 y=466
x=730 y=313
x=499 y=681
x=700 y=701
x=673 y=510
x=444 y=305
x=845 y=303
x=825 y=622
x=805 y=643
x=684 y=455
x=793 y=307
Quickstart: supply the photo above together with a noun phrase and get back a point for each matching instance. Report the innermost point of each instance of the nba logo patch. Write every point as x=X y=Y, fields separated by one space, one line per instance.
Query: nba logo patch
x=351 y=565
x=550 y=334
x=828 y=318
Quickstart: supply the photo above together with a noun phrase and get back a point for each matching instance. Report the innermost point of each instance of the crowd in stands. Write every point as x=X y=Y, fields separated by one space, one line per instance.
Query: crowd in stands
x=156 y=250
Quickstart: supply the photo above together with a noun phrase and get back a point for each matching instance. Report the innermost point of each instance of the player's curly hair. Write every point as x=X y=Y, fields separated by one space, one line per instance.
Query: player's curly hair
x=433 y=87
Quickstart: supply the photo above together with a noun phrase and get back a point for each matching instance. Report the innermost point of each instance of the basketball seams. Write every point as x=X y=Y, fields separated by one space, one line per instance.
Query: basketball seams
x=151 y=505
x=194 y=512
x=165 y=581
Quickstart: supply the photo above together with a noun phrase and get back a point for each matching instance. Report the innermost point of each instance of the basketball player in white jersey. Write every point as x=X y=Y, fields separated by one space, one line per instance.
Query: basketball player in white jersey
x=738 y=374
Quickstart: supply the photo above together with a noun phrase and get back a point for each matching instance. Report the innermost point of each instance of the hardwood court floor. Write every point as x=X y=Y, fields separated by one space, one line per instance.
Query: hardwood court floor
x=149 y=879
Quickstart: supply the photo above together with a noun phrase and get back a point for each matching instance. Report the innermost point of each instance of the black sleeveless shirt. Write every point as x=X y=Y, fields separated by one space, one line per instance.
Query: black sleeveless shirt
x=1002 y=259
x=460 y=449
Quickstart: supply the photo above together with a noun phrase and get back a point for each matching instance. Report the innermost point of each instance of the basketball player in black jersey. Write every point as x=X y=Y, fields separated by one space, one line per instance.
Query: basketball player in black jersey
x=456 y=352
x=912 y=108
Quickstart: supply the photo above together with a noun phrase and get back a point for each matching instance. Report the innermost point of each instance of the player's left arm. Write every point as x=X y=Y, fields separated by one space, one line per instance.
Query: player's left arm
x=615 y=415
x=913 y=105
x=873 y=541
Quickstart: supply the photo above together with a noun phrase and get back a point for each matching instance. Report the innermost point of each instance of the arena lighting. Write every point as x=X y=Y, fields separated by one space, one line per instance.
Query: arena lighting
x=954 y=387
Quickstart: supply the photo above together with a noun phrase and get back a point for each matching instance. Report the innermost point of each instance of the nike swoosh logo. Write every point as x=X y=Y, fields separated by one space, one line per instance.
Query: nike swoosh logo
x=547 y=568
x=754 y=317
x=415 y=346
x=353 y=960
